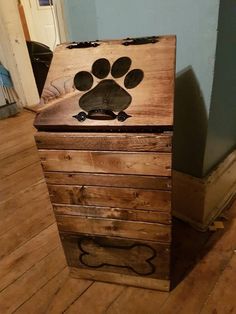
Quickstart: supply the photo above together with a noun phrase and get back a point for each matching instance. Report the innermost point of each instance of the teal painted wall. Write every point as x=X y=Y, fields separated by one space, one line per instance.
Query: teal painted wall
x=81 y=20
x=204 y=117
x=221 y=134
x=194 y=23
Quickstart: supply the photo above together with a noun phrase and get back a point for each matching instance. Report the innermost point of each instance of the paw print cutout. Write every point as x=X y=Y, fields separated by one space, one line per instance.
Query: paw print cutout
x=107 y=97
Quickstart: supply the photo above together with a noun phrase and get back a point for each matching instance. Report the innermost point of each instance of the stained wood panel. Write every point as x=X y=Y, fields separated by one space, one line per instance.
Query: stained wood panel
x=105 y=141
x=98 y=179
x=121 y=279
x=122 y=256
x=116 y=228
x=114 y=213
x=155 y=90
x=107 y=196
x=106 y=162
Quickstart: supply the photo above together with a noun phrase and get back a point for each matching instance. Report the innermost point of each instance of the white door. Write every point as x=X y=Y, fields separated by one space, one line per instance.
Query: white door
x=41 y=21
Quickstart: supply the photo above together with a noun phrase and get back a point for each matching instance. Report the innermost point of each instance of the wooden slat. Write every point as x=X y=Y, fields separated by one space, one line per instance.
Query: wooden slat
x=107 y=162
x=93 y=301
x=31 y=281
x=137 y=258
x=112 y=197
x=125 y=181
x=149 y=283
x=114 y=213
x=56 y=296
x=116 y=228
x=136 y=142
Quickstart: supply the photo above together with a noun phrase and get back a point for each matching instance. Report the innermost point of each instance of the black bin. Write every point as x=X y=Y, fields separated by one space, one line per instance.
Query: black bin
x=41 y=57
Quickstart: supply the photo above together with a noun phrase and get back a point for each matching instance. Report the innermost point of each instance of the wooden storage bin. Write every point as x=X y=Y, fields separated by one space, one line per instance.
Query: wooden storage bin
x=110 y=180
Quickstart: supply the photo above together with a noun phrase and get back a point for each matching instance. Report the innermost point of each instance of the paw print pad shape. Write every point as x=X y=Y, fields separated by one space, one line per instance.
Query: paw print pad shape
x=107 y=96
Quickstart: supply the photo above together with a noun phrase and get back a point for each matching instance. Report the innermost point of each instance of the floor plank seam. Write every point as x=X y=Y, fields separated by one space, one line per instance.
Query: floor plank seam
x=8 y=230
x=27 y=240
x=116 y=298
x=83 y=292
x=216 y=282
x=41 y=180
x=13 y=173
x=21 y=151
x=38 y=261
x=40 y=289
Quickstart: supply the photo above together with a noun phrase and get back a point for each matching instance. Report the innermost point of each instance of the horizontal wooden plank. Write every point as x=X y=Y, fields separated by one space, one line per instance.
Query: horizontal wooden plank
x=148 y=283
x=110 y=196
x=121 y=256
x=115 y=228
x=114 y=213
x=105 y=141
x=114 y=180
x=107 y=162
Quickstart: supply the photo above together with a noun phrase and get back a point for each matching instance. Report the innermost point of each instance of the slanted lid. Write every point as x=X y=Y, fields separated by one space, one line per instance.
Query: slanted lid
x=110 y=85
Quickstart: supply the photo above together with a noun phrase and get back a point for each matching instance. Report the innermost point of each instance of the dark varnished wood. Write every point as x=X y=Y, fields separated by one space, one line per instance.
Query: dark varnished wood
x=152 y=99
x=110 y=196
x=113 y=213
x=107 y=179
x=105 y=141
x=121 y=256
x=116 y=228
x=138 y=163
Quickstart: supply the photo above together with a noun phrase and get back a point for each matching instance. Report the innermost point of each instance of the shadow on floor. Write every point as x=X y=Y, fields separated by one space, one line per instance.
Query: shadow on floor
x=189 y=246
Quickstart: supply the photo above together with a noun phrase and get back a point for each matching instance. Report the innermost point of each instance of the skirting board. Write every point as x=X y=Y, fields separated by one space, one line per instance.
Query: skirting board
x=199 y=201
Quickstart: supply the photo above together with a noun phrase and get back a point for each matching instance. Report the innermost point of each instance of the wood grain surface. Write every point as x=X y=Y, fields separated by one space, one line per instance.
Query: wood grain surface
x=114 y=213
x=139 y=163
x=136 y=142
x=113 y=227
x=122 y=256
x=110 y=196
x=148 y=283
x=107 y=179
x=152 y=99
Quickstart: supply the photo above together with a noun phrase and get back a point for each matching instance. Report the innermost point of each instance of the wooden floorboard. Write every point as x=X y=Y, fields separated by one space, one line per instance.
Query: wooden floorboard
x=33 y=271
x=222 y=298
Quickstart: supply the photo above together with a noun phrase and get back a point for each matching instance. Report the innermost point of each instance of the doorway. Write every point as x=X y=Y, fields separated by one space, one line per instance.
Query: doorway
x=41 y=22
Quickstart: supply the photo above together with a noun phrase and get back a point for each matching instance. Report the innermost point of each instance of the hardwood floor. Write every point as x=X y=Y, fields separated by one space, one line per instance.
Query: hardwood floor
x=33 y=272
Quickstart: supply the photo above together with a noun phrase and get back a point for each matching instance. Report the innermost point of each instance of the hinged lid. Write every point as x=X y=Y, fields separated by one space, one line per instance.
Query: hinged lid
x=110 y=85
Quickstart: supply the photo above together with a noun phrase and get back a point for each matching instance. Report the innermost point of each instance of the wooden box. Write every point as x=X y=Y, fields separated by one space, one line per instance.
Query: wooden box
x=104 y=140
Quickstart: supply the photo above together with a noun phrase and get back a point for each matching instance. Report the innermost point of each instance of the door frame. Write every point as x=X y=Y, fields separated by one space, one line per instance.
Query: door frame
x=15 y=52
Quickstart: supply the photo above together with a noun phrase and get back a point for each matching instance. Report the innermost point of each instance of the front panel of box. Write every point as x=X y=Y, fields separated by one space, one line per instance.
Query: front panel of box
x=105 y=144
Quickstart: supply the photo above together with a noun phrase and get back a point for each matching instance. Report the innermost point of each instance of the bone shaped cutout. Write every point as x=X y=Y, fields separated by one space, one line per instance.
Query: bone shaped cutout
x=58 y=88
x=136 y=257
